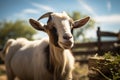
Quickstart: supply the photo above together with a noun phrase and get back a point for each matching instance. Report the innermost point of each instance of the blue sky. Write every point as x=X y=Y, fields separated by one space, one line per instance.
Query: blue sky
x=106 y=13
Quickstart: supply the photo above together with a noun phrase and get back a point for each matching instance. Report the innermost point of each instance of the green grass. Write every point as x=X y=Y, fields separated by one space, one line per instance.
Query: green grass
x=114 y=65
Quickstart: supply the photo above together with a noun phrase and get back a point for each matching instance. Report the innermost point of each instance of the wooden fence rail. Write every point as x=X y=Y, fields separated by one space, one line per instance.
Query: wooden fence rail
x=99 y=46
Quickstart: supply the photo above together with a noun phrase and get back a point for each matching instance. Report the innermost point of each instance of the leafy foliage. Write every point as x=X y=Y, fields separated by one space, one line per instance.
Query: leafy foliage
x=14 y=30
x=106 y=67
x=114 y=65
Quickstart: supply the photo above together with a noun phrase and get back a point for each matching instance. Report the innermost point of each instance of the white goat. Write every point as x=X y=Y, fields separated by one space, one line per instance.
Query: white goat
x=46 y=59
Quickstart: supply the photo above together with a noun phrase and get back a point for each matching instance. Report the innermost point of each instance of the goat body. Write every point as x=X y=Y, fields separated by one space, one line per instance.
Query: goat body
x=45 y=59
x=30 y=61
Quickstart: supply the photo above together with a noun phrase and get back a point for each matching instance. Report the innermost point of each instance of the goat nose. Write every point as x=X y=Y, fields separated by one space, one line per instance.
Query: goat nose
x=67 y=36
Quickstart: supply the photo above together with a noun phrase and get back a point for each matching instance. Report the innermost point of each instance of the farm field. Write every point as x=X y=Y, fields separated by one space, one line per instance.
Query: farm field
x=2 y=73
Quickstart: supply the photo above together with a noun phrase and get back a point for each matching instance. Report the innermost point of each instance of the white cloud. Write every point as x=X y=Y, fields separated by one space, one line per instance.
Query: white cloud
x=88 y=8
x=30 y=11
x=108 y=19
x=37 y=9
x=109 y=5
x=112 y=19
x=19 y=15
x=41 y=6
x=24 y=13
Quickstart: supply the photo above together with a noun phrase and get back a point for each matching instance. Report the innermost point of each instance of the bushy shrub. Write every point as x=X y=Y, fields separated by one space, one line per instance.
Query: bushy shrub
x=113 y=65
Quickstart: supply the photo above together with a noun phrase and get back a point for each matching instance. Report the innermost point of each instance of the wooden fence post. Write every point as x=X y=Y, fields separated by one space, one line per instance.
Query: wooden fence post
x=119 y=35
x=99 y=41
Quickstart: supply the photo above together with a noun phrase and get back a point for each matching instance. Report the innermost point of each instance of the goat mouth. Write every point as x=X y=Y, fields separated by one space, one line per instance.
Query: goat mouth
x=67 y=45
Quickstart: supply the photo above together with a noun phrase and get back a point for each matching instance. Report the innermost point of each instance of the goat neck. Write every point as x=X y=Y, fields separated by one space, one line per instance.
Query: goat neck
x=57 y=60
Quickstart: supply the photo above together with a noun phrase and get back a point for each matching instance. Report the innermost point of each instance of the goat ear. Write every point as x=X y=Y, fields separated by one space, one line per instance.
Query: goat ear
x=37 y=25
x=81 y=22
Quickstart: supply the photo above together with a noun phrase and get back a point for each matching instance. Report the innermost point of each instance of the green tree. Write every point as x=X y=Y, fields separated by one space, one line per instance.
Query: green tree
x=14 y=30
x=81 y=31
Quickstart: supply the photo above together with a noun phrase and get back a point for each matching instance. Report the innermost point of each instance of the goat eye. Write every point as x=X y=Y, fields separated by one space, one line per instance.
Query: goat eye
x=54 y=30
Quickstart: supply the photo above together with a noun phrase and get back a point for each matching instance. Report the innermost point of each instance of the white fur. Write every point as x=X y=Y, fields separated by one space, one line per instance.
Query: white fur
x=28 y=62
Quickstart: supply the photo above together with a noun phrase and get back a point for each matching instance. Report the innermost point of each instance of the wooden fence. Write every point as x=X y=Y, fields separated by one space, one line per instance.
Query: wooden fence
x=99 y=46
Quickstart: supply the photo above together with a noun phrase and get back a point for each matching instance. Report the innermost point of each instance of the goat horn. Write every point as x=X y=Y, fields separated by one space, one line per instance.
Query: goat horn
x=45 y=15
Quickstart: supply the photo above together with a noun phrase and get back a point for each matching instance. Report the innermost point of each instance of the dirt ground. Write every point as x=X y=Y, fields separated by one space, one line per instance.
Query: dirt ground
x=2 y=73
x=80 y=72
